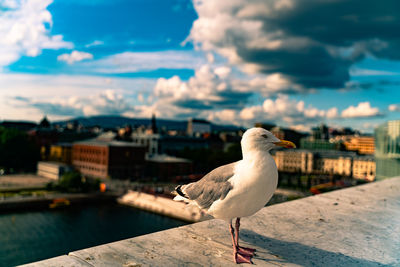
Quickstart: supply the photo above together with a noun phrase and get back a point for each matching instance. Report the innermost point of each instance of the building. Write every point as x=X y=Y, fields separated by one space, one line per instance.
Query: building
x=52 y=170
x=152 y=142
x=318 y=144
x=321 y=132
x=44 y=138
x=364 y=168
x=387 y=150
x=294 y=160
x=316 y=162
x=364 y=145
x=157 y=144
x=335 y=164
x=154 y=128
x=115 y=159
x=198 y=127
x=164 y=167
x=61 y=152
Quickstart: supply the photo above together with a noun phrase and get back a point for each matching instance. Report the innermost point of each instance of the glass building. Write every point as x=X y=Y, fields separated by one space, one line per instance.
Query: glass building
x=387 y=150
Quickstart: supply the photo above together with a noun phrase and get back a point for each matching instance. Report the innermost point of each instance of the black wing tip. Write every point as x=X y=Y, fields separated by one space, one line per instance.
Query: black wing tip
x=180 y=192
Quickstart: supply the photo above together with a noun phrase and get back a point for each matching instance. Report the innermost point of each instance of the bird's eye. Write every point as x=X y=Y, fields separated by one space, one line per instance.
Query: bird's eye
x=264 y=135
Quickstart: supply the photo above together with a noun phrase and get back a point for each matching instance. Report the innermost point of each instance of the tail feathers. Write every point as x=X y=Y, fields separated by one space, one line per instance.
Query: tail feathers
x=178 y=189
x=181 y=195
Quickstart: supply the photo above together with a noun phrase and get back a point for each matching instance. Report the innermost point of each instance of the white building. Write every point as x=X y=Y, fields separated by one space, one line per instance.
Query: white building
x=52 y=170
x=151 y=141
x=364 y=168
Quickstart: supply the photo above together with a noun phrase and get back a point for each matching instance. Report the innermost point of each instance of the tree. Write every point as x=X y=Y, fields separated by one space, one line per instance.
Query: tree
x=74 y=182
x=17 y=151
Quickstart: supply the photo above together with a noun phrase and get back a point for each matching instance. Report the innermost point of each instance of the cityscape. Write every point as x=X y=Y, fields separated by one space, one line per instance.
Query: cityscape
x=108 y=108
x=70 y=164
x=123 y=152
x=326 y=158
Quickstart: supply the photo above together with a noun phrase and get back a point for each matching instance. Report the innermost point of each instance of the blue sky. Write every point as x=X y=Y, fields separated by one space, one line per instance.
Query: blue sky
x=240 y=62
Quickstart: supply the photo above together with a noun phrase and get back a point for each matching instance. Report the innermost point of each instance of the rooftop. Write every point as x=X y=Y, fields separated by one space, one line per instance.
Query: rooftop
x=322 y=153
x=357 y=226
x=167 y=159
x=95 y=142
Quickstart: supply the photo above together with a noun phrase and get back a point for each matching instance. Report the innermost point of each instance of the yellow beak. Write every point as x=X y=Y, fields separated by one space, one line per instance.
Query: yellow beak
x=285 y=143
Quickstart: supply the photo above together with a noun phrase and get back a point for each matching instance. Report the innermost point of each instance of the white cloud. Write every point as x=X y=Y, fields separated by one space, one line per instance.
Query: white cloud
x=284 y=110
x=371 y=72
x=216 y=94
x=210 y=88
x=219 y=88
x=332 y=113
x=140 y=97
x=222 y=72
x=106 y=102
x=251 y=113
x=95 y=43
x=301 y=128
x=144 y=61
x=369 y=126
x=394 y=107
x=25 y=30
x=49 y=91
x=281 y=110
x=223 y=116
x=75 y=56
x=363 y=110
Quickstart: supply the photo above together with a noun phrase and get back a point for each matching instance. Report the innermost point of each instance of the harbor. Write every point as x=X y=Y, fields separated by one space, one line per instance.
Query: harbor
x=37 y=235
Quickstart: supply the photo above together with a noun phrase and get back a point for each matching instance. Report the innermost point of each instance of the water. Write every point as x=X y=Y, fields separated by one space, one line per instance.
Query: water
x=33 y=236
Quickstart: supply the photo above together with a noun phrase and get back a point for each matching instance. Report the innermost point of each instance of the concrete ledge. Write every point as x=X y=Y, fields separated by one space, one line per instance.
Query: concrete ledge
x=358 y=226
x=164 y=206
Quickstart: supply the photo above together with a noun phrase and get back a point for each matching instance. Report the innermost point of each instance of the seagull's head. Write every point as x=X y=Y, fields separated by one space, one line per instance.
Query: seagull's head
x=261 y=139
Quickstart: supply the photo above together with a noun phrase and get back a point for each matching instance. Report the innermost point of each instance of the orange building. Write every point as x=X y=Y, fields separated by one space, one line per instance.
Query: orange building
x=361 y=144
x=121 y=160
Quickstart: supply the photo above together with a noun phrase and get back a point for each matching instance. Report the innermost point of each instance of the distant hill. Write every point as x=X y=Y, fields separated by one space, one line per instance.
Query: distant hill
x=111 y=122
x=20 y=125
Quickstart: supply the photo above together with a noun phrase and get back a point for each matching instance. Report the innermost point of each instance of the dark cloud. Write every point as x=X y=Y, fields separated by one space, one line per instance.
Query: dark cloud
x=227 y=100
x=340 y=23
x=388 y=82
x=311 y=67
x=376 y=85
x=232 y=99
x=193 y=104
x=311 y=43
x=22 y=98
x=56 y=109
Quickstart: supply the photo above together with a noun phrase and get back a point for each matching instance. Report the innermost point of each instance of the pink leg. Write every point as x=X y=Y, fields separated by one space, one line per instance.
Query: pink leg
x=238 y=257
x=242 y=250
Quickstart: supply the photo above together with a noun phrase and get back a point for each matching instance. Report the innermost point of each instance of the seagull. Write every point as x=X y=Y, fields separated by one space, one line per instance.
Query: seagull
x=238 y=189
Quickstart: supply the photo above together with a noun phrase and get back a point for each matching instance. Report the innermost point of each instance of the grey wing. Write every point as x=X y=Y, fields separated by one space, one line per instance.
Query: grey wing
x=211 y=187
